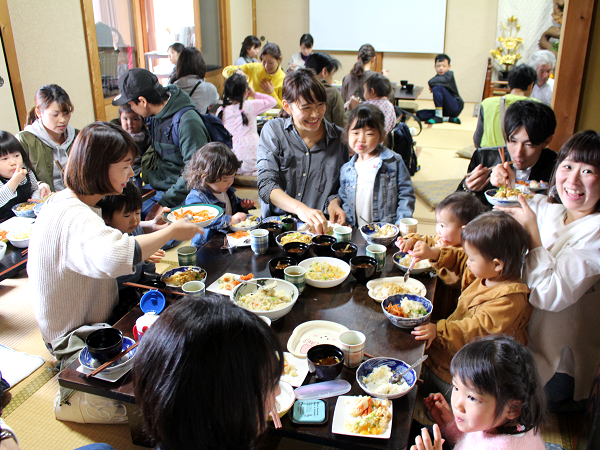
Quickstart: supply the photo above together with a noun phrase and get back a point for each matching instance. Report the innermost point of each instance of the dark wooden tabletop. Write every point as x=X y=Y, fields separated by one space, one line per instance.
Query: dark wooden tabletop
x=403 y=94
x=347 y=304
x=12 y=262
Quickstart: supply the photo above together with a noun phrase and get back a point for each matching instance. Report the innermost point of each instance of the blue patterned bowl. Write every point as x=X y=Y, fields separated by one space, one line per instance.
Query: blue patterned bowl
x=170 y=273
x=126 y=361
x=369 y=230
x=397 y=366
x=405 y=322
x=25 y=213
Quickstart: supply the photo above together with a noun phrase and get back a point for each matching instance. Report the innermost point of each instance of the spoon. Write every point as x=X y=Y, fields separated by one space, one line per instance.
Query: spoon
x=396 y=378
x=412 y=264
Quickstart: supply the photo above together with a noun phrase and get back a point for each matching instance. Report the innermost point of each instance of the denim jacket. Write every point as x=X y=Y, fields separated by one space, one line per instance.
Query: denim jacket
x=222 y=223
x=393 y=194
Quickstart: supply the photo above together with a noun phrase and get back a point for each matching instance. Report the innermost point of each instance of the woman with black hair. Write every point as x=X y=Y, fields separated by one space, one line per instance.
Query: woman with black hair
x=189 y=77
x=325 y=67
x=249 y=51
x=206 y=376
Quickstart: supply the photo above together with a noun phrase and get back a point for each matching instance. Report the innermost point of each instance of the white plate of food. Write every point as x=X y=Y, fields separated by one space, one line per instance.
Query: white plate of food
x=537 y=186
x=285 y=400
x=250 y=223
x=349 y=417
x=382 y=288
x=314 y=332
x=505 y=197
x=226 y=282
x=201 y=214
x=294 y=369
x=239 y=239
x=325 y=272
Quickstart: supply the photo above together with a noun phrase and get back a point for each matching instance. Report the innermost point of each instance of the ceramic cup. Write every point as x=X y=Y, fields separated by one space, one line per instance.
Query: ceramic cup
x=259 y=241
x=378 y=252
x=352 y=344
x=187 y=256
x=296 y=276
x=194 y=289
x=143 y=323
x=342 y=234
x=408 y=226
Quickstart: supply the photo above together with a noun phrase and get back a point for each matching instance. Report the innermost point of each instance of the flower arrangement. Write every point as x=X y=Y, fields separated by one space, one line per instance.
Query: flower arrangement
x=507 y=53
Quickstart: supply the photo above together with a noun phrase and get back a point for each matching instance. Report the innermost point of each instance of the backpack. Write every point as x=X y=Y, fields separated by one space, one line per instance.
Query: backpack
x=216 y=129
x=403 y=144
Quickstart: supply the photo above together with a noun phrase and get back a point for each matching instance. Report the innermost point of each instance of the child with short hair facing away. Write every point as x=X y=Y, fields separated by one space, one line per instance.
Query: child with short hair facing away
x=123 y=212
x=135 y=125
x=493 y=299
x=376 y=91
x=375 y=185
x=209 y=175
x=447 y=100
x=498 y=402
x=18 y=183
x=238 y=114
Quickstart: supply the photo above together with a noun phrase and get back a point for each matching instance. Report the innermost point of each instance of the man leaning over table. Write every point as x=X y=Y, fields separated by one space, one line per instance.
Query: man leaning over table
x=529 y=128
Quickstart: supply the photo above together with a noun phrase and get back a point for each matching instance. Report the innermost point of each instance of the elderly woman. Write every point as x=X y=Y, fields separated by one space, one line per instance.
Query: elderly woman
x=299 y=158
x=562 y=269
x=543 y=61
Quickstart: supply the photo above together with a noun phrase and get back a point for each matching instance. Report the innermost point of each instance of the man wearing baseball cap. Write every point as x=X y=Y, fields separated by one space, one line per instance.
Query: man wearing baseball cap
x=163 y=163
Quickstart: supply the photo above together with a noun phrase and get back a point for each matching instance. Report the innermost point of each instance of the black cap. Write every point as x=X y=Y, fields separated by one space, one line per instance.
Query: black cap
x=135 y=83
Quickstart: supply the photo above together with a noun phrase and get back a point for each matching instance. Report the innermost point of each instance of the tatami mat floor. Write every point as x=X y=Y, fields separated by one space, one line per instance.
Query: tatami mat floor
x=30 y=412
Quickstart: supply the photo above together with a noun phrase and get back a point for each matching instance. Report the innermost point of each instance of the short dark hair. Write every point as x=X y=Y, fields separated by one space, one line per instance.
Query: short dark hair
x=202 y=375
x=380 y=84
x=307 y=40
x=129 y=201
x=442 y=57
x=582 y=147
x=303 y=83
x=271 y=49
x=190 y=62
x=10 y=144
x=209 y=164
x=96 y=147
x=521 y=77
x=505 y=369
x=537 y=118
x=45 y=96
x=463 y=206
x=249 y=42
x=318 y=61
x=366 y=115
x=177 y=46
x=497 y=235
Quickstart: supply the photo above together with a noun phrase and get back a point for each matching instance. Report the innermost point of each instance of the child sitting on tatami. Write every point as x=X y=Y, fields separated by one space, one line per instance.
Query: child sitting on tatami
x=210 y=174
x=493 y=300
x=447 y=100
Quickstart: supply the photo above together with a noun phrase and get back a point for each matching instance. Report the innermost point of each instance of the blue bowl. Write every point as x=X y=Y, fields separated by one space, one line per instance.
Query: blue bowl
x=397 y=366
x=405 y=322
x=369 y=230
x=170 y=273
x=37 y=208
x=86 y=359
x=29 y=213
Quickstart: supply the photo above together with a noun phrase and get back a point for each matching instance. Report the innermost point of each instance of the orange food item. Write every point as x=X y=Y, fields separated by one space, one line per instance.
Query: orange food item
x=238 y=234
x=247 y=277
x=396 y=310
x=3 y=234
x=197 y=217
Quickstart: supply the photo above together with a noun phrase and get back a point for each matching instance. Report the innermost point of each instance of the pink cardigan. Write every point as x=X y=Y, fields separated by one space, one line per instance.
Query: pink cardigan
x=483 y=441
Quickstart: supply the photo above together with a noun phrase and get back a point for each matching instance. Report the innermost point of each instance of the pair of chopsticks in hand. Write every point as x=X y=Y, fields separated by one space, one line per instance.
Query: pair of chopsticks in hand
x=506 y=180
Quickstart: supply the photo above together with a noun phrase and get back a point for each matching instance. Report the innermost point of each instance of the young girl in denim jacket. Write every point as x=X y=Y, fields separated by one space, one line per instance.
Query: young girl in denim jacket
x=210 y=174
x=375 y=185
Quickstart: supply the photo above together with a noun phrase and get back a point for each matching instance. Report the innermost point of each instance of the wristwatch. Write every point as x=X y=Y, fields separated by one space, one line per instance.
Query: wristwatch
x=465 y=187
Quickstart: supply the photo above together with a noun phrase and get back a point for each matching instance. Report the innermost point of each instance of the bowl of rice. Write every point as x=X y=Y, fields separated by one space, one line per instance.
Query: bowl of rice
x=269 y=297
x=406 y=310
x=403 y=260
x=250 y=223
x=293 y=236
x=379 y=233
x=24 y=210
x=19 y=237
x=325 y=272
x=373 y=376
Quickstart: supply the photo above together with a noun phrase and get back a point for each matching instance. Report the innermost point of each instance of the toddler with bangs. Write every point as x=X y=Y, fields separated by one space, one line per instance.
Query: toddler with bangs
x=209 y=175
x=493 y=299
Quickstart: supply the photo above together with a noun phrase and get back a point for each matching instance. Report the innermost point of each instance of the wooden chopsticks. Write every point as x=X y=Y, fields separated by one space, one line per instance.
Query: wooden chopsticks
x=24 y=252
x=275 y=416
x=109 y=362
x=143 y=286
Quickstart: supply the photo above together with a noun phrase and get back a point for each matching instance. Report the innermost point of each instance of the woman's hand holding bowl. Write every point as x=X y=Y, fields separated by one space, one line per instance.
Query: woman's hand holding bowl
x=526 y=217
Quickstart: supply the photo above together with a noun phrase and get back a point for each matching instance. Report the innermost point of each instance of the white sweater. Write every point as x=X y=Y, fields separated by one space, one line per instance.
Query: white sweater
x=74 y=259
x=564 y=278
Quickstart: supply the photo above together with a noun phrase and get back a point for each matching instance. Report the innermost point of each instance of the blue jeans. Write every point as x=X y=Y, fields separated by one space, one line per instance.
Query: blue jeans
x=443 y=99
x=559 y=392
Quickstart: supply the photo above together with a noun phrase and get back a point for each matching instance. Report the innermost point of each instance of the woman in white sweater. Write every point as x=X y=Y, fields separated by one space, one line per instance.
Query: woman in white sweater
x=562 y=269
x=74 y=258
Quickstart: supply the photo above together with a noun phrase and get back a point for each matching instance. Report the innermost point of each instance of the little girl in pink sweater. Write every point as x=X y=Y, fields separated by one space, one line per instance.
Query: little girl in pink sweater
x=239 y=117
x=498 y=402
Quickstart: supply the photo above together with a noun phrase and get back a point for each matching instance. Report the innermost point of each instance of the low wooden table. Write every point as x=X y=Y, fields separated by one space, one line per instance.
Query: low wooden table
x=347 y=304
x=12 y=262
x=403 y=94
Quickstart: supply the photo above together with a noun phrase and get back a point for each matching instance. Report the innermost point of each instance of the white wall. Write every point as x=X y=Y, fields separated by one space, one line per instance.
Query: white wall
x=241 y=25
x=50 y=46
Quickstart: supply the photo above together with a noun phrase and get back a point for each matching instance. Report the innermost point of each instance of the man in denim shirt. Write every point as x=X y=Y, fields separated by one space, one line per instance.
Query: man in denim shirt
x=299 y=158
